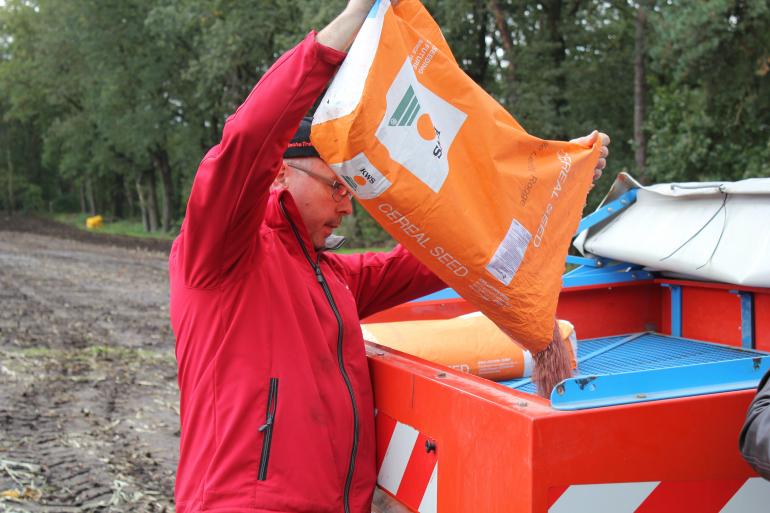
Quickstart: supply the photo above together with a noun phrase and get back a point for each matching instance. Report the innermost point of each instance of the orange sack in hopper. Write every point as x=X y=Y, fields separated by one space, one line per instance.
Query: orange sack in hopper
x=470 y=343
x=450 y=174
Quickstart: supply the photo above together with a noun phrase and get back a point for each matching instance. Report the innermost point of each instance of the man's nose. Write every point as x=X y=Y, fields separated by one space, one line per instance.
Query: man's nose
x=345 y=205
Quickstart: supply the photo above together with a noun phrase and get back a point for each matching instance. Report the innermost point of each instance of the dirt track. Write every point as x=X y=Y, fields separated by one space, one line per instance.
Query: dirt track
x=88 y=395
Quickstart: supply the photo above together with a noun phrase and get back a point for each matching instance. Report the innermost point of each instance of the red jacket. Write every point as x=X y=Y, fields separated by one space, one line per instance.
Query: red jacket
x=276 y=399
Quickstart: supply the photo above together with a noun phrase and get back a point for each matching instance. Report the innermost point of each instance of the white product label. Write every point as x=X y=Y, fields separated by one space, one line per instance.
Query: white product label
x=507 y=259
x=361 y=177
x=419 y=127
x=495 y=366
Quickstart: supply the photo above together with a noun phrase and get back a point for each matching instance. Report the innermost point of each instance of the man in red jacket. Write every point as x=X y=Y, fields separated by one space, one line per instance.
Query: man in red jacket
x=276 y=400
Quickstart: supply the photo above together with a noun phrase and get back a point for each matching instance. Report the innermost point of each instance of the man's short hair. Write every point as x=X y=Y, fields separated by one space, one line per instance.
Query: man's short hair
x=300 y=145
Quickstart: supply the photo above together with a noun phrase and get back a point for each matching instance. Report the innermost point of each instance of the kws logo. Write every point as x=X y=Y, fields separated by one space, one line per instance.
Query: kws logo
x=362 y=177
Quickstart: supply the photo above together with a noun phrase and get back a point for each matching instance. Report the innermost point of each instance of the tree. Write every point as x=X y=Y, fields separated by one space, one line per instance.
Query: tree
x=640 y=85
x=116 y=101
x=711 y=107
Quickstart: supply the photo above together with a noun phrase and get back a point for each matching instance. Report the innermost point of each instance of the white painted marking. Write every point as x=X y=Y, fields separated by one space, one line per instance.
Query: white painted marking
x=429 y=503
x=752 y=497
x=603 y=498
x=396 y=457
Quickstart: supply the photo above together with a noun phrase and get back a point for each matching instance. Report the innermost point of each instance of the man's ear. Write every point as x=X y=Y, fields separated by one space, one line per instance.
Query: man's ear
x=280 y=181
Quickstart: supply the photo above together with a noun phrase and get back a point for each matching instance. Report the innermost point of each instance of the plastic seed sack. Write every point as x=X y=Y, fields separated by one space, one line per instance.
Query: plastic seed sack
x=470 y=343
x=450 y=174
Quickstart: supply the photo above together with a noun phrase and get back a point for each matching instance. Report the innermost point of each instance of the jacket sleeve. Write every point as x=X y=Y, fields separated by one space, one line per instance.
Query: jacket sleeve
x=755 y=436
x=229 y=194
x=383 y=280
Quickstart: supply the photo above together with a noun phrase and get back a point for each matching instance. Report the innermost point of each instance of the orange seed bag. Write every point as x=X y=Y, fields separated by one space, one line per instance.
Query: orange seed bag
x=470 y=343
x=450 y=174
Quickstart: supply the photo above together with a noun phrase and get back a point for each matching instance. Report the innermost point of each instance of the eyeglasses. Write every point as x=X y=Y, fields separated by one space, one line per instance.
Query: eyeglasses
x=339 y=190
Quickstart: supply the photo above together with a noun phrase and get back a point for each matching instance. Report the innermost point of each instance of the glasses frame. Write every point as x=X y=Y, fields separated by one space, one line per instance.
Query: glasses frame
x=339 y=190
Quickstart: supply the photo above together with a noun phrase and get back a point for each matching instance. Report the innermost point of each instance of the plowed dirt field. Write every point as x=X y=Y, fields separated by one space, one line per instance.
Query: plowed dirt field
x=88 y=394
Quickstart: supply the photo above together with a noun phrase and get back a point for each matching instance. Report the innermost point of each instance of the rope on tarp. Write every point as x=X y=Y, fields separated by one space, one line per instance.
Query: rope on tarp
x=722 y=207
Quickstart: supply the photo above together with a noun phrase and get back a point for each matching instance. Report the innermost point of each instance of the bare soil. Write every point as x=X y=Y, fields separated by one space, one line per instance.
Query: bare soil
x=88 y=394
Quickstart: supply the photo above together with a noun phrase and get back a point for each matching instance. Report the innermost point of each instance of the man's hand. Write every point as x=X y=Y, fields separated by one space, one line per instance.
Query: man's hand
x=339 y=34
x=589 y=141
x=360 y=6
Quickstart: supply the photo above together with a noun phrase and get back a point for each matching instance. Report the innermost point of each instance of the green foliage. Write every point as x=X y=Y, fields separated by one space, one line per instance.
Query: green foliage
x=100 y=100
x=28 y=197
x=32 y=198
x=354 y=250
x=711 y=112
x=363 y=231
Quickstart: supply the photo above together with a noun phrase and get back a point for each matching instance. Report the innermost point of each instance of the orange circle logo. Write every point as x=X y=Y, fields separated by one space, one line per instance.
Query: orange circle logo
x=359 y=180
x=425 y=127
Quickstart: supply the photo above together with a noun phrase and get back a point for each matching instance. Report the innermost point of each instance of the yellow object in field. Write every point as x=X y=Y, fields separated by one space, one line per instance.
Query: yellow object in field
x=94 y=222
x=470 y=343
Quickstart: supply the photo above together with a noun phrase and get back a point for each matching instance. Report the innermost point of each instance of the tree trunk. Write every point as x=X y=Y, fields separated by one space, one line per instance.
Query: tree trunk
x=90 y=196
x=142 y=203
x=82 y=188
x=152 y=200
x=640 y=88
x=215 y=132
x=163 y=166
x=117 y=196
x=508 y=47
x=11 y=203
x=129 y=198
x=553 y=11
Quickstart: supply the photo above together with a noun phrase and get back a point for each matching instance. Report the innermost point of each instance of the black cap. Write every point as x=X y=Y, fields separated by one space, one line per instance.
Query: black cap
x=300 y=145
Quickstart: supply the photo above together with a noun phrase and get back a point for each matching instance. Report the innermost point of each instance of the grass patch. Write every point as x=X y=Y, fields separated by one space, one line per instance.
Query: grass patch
x=98 y=352
x=136 y=229
x=119 y=227
x=352 y=251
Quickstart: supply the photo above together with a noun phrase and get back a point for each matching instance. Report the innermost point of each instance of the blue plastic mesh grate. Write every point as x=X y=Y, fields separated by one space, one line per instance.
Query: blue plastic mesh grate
x=648 y=351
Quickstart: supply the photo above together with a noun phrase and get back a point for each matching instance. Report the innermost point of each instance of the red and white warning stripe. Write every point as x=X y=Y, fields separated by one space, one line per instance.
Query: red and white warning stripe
x=724 y=496
x=405 y=467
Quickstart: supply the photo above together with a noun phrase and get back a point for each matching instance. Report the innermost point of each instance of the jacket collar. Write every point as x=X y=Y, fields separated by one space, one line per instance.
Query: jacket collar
x=283 y=215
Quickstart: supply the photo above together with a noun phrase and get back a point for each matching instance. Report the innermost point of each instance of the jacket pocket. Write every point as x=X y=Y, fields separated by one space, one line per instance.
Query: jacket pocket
x=267 y=428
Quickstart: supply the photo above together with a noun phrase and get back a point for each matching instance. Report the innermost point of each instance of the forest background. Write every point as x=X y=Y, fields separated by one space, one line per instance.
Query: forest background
x=107 y=106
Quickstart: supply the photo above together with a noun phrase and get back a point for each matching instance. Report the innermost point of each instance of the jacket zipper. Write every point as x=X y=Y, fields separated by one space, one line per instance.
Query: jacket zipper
x=340 y=361
x=267 y=428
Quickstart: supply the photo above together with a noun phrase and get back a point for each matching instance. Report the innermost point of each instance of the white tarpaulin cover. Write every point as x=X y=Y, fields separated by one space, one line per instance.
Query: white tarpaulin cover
x=717 y=231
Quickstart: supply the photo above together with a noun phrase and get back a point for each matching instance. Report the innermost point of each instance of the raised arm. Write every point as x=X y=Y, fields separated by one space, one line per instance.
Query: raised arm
x=339 y=34
x=230 y=190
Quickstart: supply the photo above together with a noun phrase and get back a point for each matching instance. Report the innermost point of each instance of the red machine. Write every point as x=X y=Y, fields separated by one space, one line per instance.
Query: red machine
x=667 y=369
